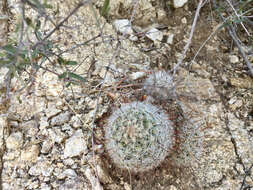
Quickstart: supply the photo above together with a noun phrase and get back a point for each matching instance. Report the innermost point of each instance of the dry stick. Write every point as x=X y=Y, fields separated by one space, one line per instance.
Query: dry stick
x=247 y=173
x=39 y=10
x=235 y=38
x=186 y=47
x=232 y=33
x=8 y=76
x=209 y=37
x=238 y=18
x=7 y=80
x=79 y=45
x=80 y=4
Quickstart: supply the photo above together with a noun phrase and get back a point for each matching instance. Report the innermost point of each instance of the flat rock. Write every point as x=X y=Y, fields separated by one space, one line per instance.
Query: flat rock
x=242 y=82
x=123 y=26
x=14 y=141
x=179 y=3
x=47 y=145
x=243 y=143
x=170 y=39
x=137 y=75
x=154 y=34
x=233 y=59
x=56 y=135
x=60 y=119
x=75 y=145
x=43 y=168
x=30 y=154
x=93 y=180
x=52 y=111
x=76 y=183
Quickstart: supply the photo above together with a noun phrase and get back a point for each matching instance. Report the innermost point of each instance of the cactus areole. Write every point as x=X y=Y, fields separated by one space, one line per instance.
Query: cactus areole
x=138 y=136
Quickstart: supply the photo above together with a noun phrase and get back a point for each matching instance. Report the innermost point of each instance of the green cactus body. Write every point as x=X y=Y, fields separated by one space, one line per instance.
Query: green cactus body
x=138 y=136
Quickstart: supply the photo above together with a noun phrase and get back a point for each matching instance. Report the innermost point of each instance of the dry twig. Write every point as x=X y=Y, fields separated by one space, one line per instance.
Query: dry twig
x=186 y=47
x=236 y=40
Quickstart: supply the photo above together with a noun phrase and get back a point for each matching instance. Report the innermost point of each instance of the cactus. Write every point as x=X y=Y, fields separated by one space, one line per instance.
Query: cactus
x=160 y=85
x=138 y=136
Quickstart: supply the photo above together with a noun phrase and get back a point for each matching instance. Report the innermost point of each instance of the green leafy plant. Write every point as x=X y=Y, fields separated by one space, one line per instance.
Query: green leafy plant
x=138 y=136
x=105 y=8
x=30 y=48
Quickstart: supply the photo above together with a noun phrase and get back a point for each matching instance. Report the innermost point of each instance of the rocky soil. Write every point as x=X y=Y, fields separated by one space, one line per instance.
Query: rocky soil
x=46 y=139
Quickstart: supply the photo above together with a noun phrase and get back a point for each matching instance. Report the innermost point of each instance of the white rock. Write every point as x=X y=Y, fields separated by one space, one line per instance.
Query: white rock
x=76 y=122
x=30 y=128
x=14 y=141
x=47 y=146
x=179 y=3
x=52 y=85
x=30 y=154
x=60 y=119
x=172 y=187
x=101 y=70
x=3 y=72
x=137 y=75
x=154 y=35
x=127 y=186
x=232 y=100
x=70 y=173
x=133 y=38
x=43 y=123
x=233 y=59
x=74 y=184
x=52 y=111
x=56 y=135
x=68 y=162
x=170 y=39
x=75 y=145
x=184 y=20
x=123 y=26
x=93 y=180
x=43 y=168
x=45 y=186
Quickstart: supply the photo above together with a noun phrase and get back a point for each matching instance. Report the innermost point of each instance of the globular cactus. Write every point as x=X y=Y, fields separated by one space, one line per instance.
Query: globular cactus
x=160 y=84
x=138 y=136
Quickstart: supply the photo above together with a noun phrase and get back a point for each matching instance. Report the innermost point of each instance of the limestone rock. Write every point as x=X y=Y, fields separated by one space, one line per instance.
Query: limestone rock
x=52 y=111
x=68 y=173
x=60 y=119
x=243 y=144
x=233 y=59
x=14 y=141
x=47 y=146
x=76 y=183
x=123 y=26
x=179 y=3
x=242 y=82
x=30 y=153
x=93 y=180
x=75 y=145
x=43 y=168
x=75 y=121
x=56 y=135
x=137 y=75
x=154 y=35
x=170 y=39
x=30 y=128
